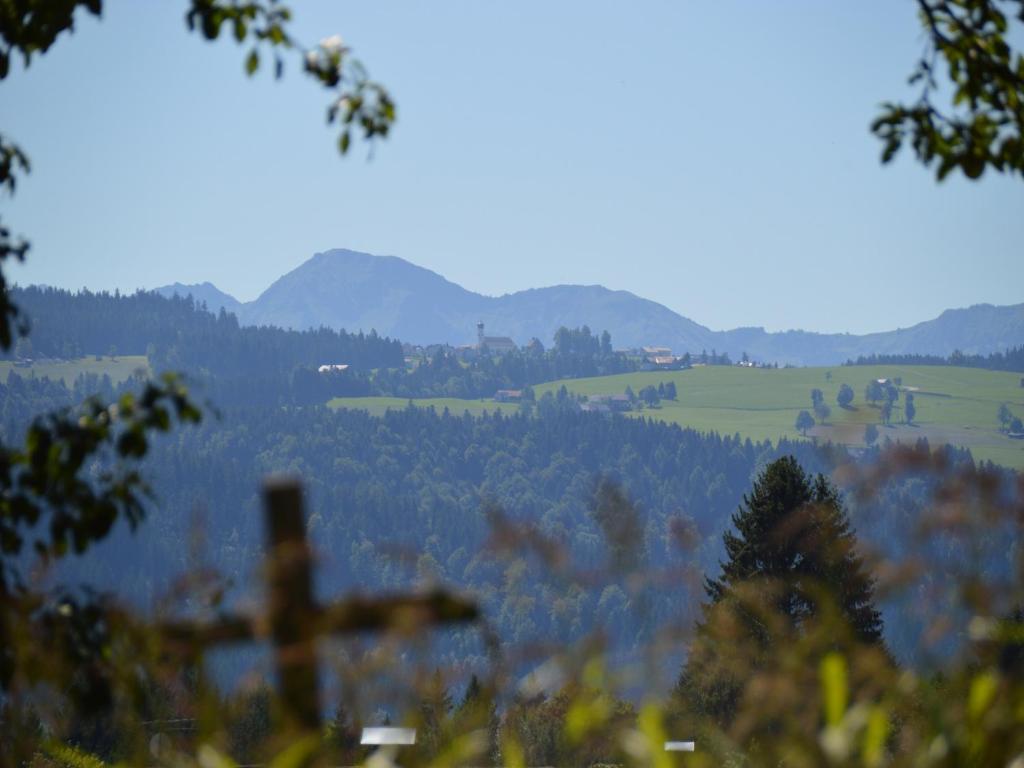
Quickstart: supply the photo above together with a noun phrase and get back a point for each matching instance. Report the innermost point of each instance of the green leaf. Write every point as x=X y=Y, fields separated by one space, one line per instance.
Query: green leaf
x=298 y=754
x=983 y=691
x=72 y=757
x=650 y=724
x=252 y=62
x=835 y=687
x=210 y=757
x=875 y=735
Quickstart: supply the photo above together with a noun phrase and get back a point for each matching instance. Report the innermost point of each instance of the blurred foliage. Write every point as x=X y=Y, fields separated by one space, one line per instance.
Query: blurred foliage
x=816 y=695
x=792 y=559
x=58 y=477
x=63 y=491
x=357 y=102
x=983 y=124
x=12 y=161
x=30 y=27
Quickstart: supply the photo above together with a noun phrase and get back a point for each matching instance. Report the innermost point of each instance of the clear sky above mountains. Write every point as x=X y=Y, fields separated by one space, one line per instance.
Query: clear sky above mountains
x=714 y=157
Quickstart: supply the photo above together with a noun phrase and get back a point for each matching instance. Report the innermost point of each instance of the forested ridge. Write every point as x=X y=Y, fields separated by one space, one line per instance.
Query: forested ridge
x=247 y=365
x=404 y=497
x=178 y=334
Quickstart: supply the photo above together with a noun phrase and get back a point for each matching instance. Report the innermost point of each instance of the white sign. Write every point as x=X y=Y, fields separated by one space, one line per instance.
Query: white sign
x=679 y=746
x=388 y=736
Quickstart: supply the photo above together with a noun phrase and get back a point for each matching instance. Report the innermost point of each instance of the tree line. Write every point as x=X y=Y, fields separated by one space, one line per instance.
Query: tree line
x=1011 y=359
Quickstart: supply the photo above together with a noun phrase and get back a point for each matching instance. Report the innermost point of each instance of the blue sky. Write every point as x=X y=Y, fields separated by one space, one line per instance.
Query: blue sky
x=714 y=157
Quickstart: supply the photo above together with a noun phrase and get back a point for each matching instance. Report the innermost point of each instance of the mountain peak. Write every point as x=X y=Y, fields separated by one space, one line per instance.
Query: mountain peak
x=347 y=289
x=202 y=293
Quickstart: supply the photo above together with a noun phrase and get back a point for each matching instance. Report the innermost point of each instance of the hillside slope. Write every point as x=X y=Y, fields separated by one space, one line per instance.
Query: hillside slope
x=981 y=329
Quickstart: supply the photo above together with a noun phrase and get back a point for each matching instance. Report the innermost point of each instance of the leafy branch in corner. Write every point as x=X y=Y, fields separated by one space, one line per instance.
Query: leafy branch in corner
x=75 y=477
x=357 y=100
x=31 y=27
x=983 y=127
x=78 y=472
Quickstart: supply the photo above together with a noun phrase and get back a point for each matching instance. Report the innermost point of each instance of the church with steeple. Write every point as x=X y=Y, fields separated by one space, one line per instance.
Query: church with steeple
x=497 y=344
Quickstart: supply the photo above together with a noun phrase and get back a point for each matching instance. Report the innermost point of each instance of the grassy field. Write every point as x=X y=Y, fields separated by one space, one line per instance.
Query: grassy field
x=118 y=368
x=954 y=405
x=380 y=405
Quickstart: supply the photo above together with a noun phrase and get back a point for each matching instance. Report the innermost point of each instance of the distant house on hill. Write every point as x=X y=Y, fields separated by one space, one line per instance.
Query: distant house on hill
x=508 y=395
x=657 y=351
x=662 y=363
x=332 y=368
x=499 y=344
x=609 y=402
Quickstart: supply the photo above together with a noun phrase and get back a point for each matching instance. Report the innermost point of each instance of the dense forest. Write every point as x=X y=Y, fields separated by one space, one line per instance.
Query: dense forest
x=265 y=366
x=177 y=334
x=411 y=497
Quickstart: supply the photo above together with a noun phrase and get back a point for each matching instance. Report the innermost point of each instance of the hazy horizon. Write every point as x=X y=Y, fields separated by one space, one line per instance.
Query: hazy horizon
x=497 y=295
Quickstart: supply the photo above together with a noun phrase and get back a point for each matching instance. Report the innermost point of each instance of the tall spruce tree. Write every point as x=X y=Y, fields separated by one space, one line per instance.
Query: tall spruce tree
x=793 y=547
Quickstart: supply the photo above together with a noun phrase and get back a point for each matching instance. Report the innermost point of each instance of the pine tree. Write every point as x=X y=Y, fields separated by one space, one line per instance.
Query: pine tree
x=435 y=707
x=792 y=542
x=476 y=712
x=473 y=693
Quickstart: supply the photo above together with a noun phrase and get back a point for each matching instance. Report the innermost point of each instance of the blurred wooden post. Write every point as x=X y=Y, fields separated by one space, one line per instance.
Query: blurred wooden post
x=293 y=620
x=292 y=612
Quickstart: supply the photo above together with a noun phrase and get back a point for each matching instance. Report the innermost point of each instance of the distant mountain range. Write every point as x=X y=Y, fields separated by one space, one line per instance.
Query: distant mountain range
x=348 y=290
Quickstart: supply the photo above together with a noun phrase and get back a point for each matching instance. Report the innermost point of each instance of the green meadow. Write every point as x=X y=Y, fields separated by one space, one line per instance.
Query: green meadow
x=954 y=405
x=117 y=368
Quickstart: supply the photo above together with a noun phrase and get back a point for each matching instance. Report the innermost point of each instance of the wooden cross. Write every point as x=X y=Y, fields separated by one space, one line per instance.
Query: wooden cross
x=294 y=621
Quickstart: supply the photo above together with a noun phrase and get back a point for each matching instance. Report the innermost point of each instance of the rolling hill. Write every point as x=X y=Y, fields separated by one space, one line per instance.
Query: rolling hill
x=358 y=291
x=954 y=405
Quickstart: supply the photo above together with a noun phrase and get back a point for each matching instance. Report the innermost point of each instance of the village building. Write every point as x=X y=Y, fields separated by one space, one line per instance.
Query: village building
x=332 y=368
x=657 y=351
x=498 y=344
x=508 y=395
x=662 y=363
